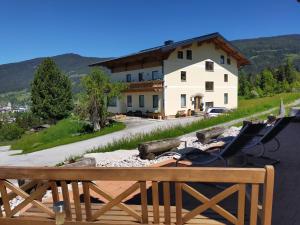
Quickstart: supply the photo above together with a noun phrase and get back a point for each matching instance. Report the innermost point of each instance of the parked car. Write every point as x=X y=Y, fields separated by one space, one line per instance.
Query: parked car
x=215 y=111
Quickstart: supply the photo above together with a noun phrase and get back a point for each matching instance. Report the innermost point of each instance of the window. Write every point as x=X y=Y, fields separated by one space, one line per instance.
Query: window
x=129 y=101
x=225 y=77
x=112 y=102
x=189 y=54
x=225 y=98
x=209 y=66
x=180 y=54
x=183 y=100
x=222 y=59
x=141 y=77
x=228 y=61
x=128 y=77
x=183 y=75
x=209 y=104
x=155 y=101
x=209 y=86
x=155 y=75
x=141 y=101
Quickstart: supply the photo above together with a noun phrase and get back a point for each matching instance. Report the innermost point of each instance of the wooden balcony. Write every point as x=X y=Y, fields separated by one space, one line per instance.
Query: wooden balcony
x=145 y=86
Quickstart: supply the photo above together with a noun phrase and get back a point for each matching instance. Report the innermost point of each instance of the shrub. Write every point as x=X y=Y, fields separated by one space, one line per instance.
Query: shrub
x=27 y=120
x=10 y=131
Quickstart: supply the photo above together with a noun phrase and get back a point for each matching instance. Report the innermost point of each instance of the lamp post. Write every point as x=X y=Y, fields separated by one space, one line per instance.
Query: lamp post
x=59 y=210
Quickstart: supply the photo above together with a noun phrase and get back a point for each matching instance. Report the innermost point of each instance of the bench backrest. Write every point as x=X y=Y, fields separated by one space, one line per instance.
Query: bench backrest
x=82 y=181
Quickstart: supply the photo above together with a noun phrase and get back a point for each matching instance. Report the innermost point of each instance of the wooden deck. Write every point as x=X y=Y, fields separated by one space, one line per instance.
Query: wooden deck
x=86 y=202
x=118 y=216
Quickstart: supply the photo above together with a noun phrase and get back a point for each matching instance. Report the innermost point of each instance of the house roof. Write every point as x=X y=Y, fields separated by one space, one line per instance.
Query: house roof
x=163 y=51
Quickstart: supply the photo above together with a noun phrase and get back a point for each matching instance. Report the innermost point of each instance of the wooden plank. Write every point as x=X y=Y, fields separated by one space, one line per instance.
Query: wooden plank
x=37 y=194
x=87 y=200
x=178 y=199
x=23 y=194
x=55 y=195
x=5 y=199
x=144 y=202
x=109 y=197
x=218 y=209
x=213 y=201
x=66 y=197
x=254 y=204
x=116 y=201
x=268 y=196
x=167 y=203
x=25 y=187
x=180 y=174
x=155 y=202
x=76 y=198
x=241 y=204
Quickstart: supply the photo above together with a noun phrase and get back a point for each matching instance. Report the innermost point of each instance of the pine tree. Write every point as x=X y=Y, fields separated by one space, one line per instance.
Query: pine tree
x=51 y=93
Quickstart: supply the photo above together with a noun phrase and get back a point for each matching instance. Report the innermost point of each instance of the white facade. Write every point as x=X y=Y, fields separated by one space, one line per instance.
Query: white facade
x=197 y=76
x=170 y=98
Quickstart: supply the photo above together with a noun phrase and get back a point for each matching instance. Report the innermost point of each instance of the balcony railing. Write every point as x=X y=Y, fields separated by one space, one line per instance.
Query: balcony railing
x=145 y=86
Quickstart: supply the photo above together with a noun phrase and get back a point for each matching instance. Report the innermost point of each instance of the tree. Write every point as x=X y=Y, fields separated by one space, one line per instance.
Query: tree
x=267 y=82
x=51 y=93
x=98 y=90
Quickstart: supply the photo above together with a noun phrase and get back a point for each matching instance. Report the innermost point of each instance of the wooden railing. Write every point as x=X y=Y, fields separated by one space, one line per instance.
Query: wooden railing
x=76 y=182
x=145 y=86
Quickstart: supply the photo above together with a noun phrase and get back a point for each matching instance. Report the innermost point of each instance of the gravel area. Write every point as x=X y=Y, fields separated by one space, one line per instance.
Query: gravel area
x=130 y=158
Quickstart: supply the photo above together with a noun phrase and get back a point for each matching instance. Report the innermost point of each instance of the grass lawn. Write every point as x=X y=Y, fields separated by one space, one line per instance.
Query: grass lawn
x=246 y=108
x=64 y=132
x=6 y=143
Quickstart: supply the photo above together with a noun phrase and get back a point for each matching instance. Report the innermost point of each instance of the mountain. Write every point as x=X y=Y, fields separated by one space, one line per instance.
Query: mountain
x=262 y=52
x=18 y=76
x=270 y=51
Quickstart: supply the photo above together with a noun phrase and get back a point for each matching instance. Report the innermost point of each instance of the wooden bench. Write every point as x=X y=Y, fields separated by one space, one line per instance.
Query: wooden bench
x=76 y=186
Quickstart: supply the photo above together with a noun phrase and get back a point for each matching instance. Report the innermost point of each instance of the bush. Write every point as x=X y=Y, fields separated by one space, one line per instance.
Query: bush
x=27 y=120
x=10 y=131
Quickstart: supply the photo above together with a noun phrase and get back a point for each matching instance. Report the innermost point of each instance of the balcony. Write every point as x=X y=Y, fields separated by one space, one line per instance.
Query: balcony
x=145 y=86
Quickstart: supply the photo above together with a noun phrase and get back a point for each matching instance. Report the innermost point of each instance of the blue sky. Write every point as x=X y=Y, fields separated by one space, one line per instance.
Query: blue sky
x=103 y=28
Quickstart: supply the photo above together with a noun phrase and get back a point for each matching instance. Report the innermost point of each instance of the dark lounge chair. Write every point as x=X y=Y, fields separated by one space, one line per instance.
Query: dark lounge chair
x=267 y=134
x=198 y=157
x=250 y=136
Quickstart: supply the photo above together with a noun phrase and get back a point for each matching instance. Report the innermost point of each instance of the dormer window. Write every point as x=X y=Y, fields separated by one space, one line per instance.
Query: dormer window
x=180 y=54
x=222 y=59
x=189 y=54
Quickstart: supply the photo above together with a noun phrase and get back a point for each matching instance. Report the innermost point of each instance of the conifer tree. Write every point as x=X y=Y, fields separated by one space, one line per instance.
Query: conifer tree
x=51 y=93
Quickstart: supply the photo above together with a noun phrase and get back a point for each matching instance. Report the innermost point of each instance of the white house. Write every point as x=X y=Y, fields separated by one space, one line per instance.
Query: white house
x=188 y=75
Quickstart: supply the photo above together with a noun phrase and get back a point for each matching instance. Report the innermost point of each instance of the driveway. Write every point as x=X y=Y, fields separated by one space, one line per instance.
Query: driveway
x=52 y=156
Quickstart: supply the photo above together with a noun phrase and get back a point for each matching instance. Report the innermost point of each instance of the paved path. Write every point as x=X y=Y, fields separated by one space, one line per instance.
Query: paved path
x=52 y=156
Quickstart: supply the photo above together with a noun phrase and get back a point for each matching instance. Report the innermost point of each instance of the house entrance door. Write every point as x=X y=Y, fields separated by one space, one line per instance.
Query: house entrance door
x=198 y=104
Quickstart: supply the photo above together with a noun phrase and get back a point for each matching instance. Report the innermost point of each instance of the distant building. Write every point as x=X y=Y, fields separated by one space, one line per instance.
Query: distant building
x=192 y=74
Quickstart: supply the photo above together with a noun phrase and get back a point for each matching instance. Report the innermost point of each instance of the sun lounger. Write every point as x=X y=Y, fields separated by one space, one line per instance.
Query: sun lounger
x=267 y=134
x=250 y=136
